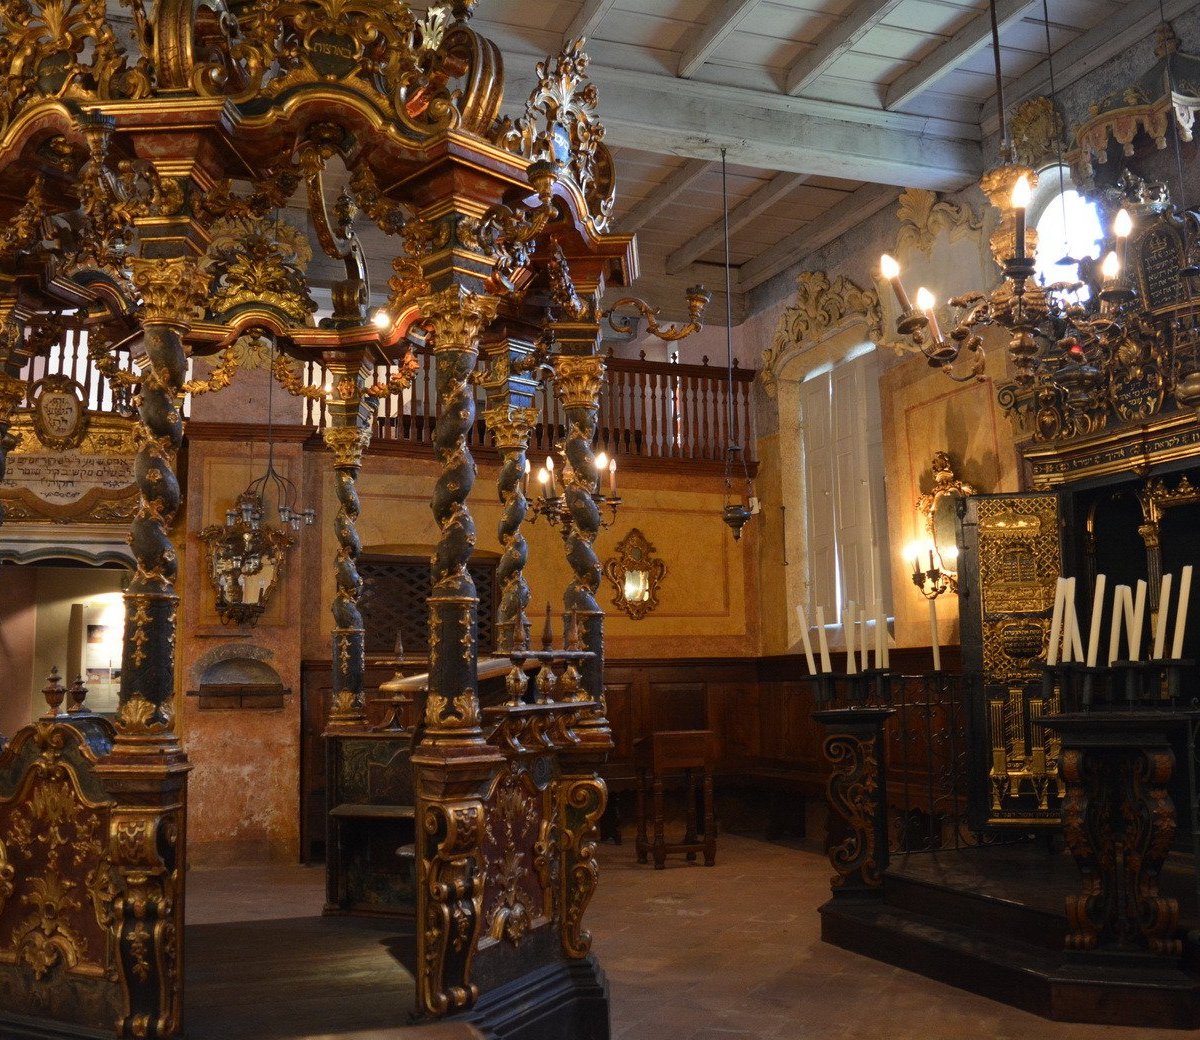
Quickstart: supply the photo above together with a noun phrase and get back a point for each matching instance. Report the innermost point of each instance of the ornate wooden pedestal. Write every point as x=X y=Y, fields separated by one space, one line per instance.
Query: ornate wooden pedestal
x=1119 y=822
x=857 y=837
x=693 y=752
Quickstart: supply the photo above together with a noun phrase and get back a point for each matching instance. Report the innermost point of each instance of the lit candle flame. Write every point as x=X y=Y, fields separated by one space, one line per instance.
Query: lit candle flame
x=1022 y=193
x=925 y=300
x=1123 y=225
x=1111 y=266
x=888 y=267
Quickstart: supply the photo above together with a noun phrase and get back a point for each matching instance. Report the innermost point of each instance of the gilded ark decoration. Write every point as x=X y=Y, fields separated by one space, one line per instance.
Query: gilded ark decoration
x=1170 y=88
x=821 y=307
x=1037 y=132
x=60 y=416
x=636 y=575
x=59 y=871
x=1006 y=630
x=923 y=217
x=560 y=126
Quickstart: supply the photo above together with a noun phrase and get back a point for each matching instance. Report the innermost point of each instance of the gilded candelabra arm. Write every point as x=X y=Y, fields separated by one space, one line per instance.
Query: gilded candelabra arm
x=698 y=298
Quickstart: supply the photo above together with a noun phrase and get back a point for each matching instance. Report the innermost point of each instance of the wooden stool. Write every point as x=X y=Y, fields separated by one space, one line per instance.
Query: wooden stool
x=654 y=757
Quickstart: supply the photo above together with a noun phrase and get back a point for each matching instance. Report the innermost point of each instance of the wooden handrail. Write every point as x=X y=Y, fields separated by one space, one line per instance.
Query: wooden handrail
x=648 y=409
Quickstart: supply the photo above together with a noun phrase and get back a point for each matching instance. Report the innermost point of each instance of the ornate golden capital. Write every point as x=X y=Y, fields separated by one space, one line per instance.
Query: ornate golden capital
x=456 y=317
x=347 y=443
x=511 y=426
x=579 y=379
x=171 y=288
x=12 y=393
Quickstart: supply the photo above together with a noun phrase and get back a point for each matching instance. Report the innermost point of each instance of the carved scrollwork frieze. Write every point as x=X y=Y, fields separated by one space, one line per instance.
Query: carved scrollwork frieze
x=450 y=929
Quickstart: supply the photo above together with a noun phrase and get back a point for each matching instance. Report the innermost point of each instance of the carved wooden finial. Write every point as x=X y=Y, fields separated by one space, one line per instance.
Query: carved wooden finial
x=399 y=652
x=572 y=634
x=53 y=692
x=548 y=631
x=79 y=694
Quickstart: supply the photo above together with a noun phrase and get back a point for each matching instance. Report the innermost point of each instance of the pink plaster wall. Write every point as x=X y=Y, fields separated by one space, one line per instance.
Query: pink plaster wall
x=18 y=631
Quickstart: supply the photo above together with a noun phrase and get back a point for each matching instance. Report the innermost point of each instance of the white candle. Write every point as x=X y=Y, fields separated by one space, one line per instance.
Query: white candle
x=824 y=643
x=808 y=653
x=848 y=623
x=864 y=644
x=1073 y=633
x=1160 y=629
x=1114 y=631
x=1097 y=611
x=1060 y=588
x=933 y=635
x=1185 y=590
x=1137 y=623
x=1127 y=615
x=880 y=641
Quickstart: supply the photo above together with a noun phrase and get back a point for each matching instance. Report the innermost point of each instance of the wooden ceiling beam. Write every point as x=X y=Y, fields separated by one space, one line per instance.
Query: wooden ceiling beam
x=676 y=183
x=588 y=20
x=947 y=57
x=716 y=31
x=802 y=243
x=813 y=64
x=668 y=116
x=767 y=197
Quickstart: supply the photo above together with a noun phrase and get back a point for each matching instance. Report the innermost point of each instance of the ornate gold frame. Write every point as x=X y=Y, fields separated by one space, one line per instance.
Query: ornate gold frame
x=945 y=484
x=635 y=552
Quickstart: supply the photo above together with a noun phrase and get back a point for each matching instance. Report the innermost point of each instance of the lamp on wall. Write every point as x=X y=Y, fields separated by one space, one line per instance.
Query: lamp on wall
x=739 y=505
x=247 y=552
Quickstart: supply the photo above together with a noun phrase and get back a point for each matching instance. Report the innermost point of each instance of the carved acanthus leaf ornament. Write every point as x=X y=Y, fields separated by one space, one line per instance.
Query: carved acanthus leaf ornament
x=923 y=216
x=821 y=306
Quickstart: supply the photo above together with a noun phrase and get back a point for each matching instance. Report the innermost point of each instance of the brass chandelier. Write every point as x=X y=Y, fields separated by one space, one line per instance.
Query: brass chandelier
x=1085 y=351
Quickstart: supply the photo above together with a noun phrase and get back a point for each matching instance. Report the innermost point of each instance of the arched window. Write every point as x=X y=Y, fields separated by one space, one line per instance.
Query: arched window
x=1068 y=227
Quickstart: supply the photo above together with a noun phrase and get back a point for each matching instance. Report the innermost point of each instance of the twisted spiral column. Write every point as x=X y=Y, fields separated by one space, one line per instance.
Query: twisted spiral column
x=511 y=427
x=453 y=763
x=580 y=792
x=578 y=380
x=455 y=318
x=170 y=289
x=347 y=706
x=147 y=772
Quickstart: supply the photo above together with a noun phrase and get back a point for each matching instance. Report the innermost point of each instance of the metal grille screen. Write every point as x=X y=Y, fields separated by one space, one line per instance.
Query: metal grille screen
x=395 y=591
